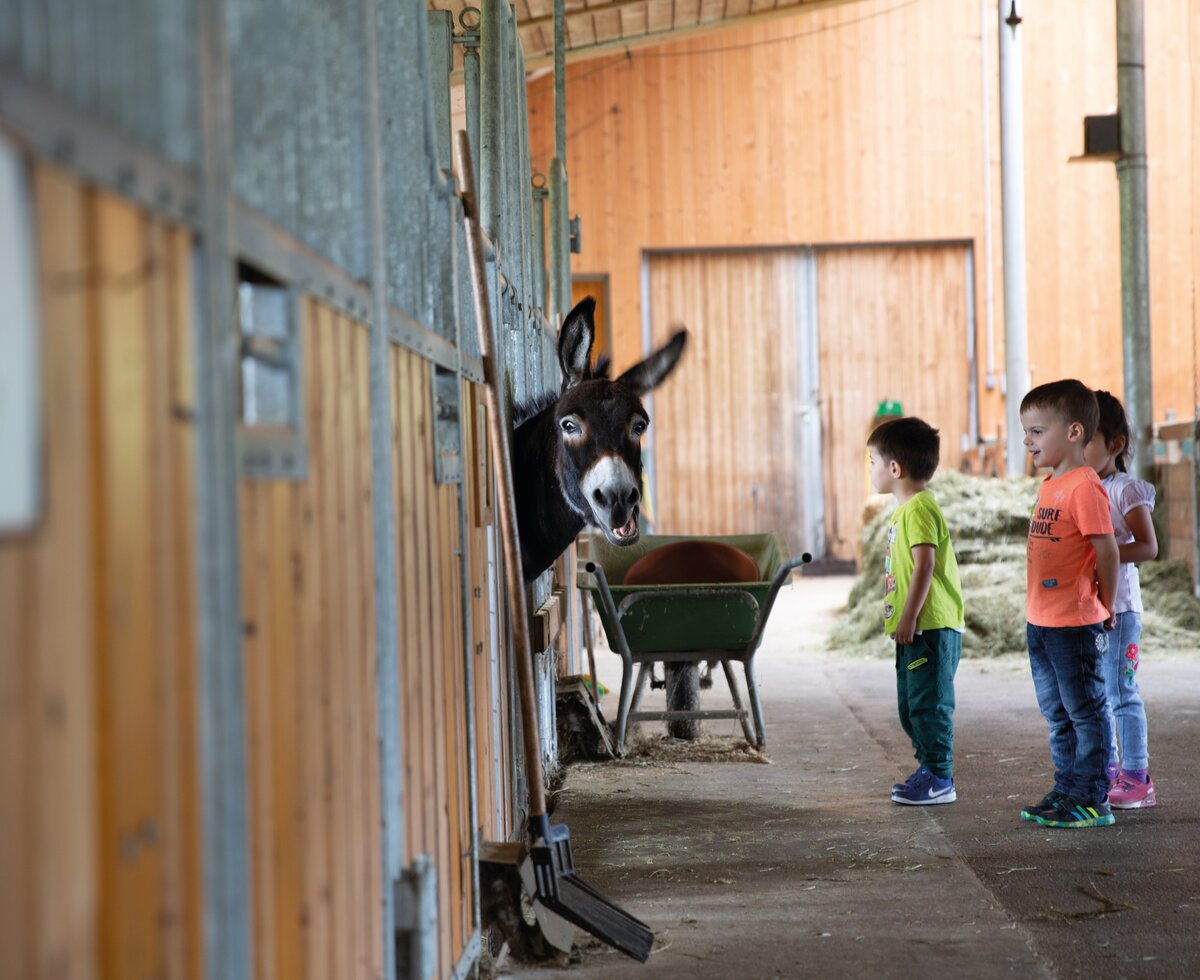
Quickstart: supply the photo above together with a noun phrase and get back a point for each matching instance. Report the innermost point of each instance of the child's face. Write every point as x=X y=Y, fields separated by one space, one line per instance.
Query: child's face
x=1050 y=439
x=1100 y=456
x=883 y=472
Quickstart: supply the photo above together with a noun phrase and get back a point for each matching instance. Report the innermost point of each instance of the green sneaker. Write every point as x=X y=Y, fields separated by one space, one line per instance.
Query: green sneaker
x=1049 y=802
x=1072 y=814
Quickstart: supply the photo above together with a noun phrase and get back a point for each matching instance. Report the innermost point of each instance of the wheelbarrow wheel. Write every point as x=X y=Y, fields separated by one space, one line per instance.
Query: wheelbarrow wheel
x=683 y=694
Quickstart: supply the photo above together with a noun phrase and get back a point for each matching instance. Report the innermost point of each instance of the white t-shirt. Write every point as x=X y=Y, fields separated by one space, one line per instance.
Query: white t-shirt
x=1124 y=493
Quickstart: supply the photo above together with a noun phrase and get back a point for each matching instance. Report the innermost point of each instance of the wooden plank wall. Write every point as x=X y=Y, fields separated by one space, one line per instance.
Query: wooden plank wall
x=308 y=604
x=99 y=823
x=310 y=671
x=830 y=128
x=100 y=831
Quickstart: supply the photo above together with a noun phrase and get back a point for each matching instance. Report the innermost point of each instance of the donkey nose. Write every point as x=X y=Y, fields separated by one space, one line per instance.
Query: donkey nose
x=598 y=496
x=633 y=496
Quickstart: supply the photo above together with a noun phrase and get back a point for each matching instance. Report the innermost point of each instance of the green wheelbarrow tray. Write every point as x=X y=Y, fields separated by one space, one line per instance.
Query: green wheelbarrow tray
x=721 y=621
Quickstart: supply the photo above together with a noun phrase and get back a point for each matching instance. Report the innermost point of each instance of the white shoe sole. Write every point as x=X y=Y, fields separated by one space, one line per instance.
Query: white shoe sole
x=944 y=798
x=1139 y=805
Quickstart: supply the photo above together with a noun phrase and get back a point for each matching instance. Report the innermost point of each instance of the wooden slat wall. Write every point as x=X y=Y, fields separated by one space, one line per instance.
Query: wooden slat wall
x=830 y=128
x=725 y=439
x=307 y=569
x=892 y=324
x=99 y=824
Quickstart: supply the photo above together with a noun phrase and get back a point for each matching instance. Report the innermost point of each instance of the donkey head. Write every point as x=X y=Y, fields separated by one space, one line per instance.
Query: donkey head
x=600 y=424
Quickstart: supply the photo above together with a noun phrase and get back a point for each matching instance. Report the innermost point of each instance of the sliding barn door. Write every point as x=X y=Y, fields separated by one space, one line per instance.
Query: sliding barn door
x=763 y=426
x=894 y=324
x=735 y=439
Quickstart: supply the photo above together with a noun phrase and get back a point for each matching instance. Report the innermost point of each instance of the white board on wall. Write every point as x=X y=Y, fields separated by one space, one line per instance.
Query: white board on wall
x=20 y=397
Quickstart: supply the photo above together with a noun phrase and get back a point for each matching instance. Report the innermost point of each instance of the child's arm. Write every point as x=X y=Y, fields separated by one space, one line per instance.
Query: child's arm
x=918 y=592
x=1144 y=545
x=1108 y=566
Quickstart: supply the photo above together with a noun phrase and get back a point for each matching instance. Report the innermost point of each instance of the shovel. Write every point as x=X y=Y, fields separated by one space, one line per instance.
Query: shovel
x=558 y=887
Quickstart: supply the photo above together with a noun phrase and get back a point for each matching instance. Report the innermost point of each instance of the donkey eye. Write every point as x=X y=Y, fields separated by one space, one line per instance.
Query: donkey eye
x=639 y=427
x=569 y=427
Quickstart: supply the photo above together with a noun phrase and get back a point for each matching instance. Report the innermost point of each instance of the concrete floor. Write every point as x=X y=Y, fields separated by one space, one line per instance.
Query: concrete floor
x=805 y=868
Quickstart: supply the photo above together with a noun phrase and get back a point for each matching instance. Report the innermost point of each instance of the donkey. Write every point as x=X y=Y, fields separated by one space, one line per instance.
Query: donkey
x=577 y=455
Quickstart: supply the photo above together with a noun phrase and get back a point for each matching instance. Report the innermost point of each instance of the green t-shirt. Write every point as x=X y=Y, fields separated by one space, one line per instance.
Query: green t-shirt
x=920 y=521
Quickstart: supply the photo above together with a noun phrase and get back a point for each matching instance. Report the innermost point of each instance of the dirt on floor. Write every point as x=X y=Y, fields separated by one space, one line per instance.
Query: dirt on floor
x=794 y=862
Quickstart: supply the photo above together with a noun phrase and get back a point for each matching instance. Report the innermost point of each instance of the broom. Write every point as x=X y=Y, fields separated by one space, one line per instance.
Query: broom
x=559 y=888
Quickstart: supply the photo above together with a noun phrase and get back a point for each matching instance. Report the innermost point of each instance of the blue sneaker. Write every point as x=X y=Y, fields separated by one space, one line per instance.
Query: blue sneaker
x=897 y=787
x=925 y=789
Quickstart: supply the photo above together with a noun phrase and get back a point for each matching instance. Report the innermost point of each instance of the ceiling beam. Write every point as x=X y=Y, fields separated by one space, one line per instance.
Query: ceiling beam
x=675 y=33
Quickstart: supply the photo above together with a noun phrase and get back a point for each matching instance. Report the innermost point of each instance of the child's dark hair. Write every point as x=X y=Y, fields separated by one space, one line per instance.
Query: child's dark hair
x=911 y=442
x=1114 y=425
x=1071 y=399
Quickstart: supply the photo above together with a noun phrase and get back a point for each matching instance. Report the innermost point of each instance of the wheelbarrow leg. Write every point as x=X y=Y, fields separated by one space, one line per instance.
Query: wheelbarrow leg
x=640 y=686
x=760 y=725
x=737 y=701
x=625 y=702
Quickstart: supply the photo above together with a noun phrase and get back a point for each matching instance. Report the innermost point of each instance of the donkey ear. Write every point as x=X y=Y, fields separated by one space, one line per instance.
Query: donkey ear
x=575 y=342
x=651 y=372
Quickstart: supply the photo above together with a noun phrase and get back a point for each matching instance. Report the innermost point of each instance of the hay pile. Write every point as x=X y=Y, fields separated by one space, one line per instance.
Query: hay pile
x=988 y=522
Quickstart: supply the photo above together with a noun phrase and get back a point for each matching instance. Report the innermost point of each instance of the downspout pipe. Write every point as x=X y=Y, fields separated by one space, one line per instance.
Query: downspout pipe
x=1135 y=249
x=1012 y=194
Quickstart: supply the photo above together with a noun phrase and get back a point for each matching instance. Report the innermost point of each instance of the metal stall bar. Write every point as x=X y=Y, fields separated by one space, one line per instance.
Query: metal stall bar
x=383 y=517
x=227 y=913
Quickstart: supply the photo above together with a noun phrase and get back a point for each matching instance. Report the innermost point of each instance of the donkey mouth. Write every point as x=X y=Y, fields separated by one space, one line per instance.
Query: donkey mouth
x=627 y=533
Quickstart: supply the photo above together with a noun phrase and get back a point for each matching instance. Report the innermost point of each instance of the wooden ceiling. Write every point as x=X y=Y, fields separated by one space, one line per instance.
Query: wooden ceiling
x=595 y=27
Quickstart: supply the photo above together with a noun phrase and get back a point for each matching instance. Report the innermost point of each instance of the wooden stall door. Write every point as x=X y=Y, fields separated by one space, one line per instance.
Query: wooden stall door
x=893 y=324
x=727 y=425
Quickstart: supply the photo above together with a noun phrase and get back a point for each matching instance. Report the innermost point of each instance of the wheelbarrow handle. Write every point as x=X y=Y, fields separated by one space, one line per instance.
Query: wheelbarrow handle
x=781 y=576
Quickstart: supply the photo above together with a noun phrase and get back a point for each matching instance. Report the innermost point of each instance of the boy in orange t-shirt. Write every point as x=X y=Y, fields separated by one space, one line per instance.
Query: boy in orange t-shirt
x=1072 y=565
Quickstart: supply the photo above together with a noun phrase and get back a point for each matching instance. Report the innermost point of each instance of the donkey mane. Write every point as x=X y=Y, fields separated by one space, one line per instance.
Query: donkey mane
x=523 y=411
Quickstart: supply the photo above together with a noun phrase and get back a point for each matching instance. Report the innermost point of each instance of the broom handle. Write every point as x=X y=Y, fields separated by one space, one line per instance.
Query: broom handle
x=498 y=437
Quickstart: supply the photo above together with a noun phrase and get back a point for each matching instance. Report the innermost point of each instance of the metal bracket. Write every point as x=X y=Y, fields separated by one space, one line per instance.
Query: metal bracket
x=447 y=444
x=271 y=445
x=416 y=928
x=468 y=19
x=576 y=236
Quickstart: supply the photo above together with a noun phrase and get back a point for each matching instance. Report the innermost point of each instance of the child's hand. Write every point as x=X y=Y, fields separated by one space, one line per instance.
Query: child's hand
x=906 y=629
x=1111 y=623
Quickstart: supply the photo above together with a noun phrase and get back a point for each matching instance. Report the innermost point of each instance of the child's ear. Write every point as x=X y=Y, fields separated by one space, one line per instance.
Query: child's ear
x=1075 y=432
x=1117 y=446
x=895 y=469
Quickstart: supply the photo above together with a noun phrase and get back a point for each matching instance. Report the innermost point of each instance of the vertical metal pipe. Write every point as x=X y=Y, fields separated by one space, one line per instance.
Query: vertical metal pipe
x=989 y=298
x=1012 y=188
x=471 y=88
x=1135 y=257
x=539 y=192
x=491 y=59
x=383 y=518
x=227 y=911
x=560 y=233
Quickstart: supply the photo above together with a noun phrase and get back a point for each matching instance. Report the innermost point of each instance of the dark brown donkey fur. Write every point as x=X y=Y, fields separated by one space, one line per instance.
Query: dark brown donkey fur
x=577 y=456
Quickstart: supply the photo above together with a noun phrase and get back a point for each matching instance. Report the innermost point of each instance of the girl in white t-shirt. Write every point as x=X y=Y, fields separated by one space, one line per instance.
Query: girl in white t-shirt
x=1131 y=500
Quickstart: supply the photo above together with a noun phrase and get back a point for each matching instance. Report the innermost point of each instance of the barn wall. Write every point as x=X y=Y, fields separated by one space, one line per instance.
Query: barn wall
x=99 y=824
x=829 y=128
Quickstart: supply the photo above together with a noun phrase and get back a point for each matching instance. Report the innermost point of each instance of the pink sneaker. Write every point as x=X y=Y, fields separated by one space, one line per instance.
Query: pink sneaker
x=1128 y=794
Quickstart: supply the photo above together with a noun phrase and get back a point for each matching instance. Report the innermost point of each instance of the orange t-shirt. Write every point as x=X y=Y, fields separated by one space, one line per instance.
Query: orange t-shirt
x=1060 y=561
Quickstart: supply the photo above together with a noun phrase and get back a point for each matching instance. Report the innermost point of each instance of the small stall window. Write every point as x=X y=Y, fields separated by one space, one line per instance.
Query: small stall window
x=271 y=434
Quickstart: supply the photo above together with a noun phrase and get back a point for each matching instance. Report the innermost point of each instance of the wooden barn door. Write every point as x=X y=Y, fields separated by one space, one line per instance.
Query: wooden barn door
x=776 y=337
x=735 y=441
x=894 y=324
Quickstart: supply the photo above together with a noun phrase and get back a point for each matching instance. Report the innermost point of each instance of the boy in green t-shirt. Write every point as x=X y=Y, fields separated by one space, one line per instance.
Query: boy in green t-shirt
x=922 y=605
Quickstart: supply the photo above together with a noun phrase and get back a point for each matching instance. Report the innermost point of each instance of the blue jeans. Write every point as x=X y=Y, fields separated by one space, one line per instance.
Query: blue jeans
x=1067 y=663
x=1126 y=714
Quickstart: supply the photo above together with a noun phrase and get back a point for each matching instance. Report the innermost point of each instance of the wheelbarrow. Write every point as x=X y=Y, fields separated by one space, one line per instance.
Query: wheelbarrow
x=682 y=626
